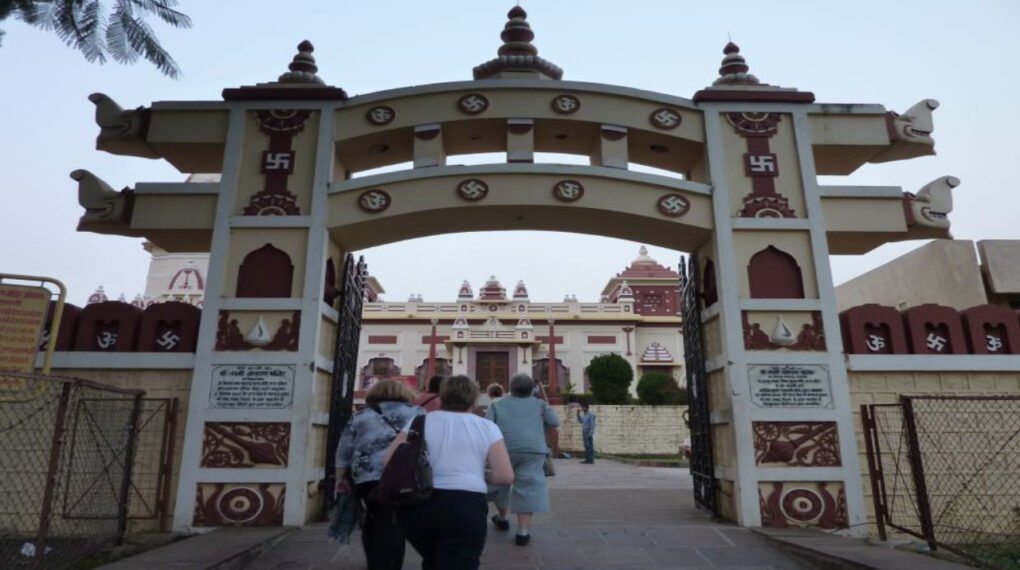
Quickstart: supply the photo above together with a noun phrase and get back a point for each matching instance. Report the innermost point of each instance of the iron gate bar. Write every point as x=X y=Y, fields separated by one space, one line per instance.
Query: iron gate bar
x=874 y=467
x=345 y=363
x=917 y=470
x=698 y=406
x=114 y=456
x=129 y=461
x=166 y=464
x=51 y=473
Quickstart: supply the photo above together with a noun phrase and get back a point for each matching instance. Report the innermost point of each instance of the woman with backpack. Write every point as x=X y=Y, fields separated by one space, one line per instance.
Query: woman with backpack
x=465 y=452
x=359 y=460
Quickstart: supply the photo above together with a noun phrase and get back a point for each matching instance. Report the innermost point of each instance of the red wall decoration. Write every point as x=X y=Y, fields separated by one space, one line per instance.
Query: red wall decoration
x=230 y=337
x=873 y=329
x=796 y=444
x=774 y=274
x=991 y=329
x=709 y=291
x=169 y=327
x=239 y=504
x=245 y=444
x=815 y=504
x=266 y=272
x=68 y=327
x=110 y=326
x=329 y=289
x=934 y=329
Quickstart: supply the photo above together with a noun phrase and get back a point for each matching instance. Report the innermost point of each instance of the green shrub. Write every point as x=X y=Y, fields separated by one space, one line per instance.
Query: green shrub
x=660 y=389
x=610 y=376
x=580 y=398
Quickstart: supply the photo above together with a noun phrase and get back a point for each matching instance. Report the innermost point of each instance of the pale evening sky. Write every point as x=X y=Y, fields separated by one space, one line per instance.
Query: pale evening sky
x=892 y=53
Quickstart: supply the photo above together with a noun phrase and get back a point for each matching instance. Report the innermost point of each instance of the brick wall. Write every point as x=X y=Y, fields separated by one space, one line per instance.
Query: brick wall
x=630 y=430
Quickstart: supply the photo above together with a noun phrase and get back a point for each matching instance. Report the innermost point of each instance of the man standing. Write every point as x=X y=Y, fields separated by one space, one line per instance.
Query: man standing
x=587 y=421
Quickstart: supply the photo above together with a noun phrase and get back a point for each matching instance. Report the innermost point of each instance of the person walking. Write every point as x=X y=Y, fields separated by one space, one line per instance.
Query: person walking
x=587 y=421
x=429 y=400
x=359 y=459
x=523 y=420
x=448 y=531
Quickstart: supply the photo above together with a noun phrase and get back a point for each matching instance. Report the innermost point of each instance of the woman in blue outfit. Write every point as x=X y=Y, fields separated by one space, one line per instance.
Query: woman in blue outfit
x=359 y=457
x=523 y=420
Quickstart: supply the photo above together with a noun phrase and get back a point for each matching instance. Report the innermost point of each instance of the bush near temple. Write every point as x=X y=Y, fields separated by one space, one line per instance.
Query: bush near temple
x=660 y=389
x=610 y=376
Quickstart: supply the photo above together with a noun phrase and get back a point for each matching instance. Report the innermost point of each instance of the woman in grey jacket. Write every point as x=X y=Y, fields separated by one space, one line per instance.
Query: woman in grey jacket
x=523 y=420
x=359 y=458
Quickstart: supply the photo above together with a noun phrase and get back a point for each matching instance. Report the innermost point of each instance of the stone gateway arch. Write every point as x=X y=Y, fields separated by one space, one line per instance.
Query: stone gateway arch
x=737 y=187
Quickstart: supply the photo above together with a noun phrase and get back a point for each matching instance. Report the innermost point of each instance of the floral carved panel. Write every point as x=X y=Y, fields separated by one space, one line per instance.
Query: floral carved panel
x=245 y=444
x=816 y=504
x=796 y=444
x=239 y=504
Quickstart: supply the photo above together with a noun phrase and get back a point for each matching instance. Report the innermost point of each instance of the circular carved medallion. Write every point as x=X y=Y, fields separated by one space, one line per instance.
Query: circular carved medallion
x=282 y=121
x=803 y=505
x=568 y=190
x=754 y=123
x=565 y=104
x=472 y=189
x=240 y=505
x=374 y=201
x=381 y=115
x=473 y=104
x=673 y=205
x=665 y=118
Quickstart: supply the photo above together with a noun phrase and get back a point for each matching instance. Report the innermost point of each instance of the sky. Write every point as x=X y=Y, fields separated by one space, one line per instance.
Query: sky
x=890 y=53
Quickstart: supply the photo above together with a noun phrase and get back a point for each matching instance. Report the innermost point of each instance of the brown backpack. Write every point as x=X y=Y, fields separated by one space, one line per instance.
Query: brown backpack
x=407 y=478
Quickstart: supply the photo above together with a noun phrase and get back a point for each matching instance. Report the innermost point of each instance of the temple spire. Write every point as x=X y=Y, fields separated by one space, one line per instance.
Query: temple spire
x=517 y=56
x=736 y=83
x=734 y=69
x=302 y=67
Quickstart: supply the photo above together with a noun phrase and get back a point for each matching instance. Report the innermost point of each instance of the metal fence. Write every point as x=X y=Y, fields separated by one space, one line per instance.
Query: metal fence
x=66 y=450
x=946 y=469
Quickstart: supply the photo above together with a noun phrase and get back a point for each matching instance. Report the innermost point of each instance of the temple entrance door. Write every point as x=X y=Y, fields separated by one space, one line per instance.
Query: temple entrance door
x=492 y=368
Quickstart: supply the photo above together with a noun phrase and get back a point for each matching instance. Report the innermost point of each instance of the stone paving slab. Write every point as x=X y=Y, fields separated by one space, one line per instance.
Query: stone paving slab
x=605 y=516
x=222 y=548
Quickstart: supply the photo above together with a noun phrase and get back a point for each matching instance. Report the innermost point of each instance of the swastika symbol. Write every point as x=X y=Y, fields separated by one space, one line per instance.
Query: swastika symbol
x=875 y=343
x=106 y=340
x=473 y=104
x=936 y=342
x=277 y=162
x=674 y=205
x=665 y=118
x=168 y=340
x=473 y=189
x=761 y=164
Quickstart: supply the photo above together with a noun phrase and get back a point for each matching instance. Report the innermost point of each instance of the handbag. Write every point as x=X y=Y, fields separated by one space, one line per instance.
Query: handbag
x=407 y=479
x=344 y=517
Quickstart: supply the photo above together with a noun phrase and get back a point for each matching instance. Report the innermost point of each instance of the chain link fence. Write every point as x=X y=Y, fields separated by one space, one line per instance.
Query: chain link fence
x=947 y=469
x=65 y=469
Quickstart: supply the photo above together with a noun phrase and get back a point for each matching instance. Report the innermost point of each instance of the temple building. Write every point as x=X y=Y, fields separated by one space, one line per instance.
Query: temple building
x=491 y=335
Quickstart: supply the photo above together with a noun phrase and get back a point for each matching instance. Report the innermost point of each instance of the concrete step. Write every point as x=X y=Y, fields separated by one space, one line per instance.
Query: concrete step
x=221 y=549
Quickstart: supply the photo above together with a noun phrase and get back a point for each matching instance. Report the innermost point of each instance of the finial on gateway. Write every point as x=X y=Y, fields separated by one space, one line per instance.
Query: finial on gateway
x=736 y=83
x=517 y=56
x=734 y=68
x=302 y=67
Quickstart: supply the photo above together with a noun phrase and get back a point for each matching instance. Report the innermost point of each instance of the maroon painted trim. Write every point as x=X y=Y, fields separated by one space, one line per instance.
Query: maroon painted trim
x=612 y=134
x=601 y=339
x=427 y=134
x=873 y=329
x=519 y=128
x=284 y=93
x=382 y=339
x=934 y=329
x=750 y=96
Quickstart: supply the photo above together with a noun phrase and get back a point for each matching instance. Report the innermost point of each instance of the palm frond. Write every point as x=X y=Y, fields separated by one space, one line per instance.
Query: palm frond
x=163 y=9
x=142 y=40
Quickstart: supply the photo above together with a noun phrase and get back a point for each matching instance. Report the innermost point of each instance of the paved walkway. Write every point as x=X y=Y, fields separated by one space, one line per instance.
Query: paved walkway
x=606 y=515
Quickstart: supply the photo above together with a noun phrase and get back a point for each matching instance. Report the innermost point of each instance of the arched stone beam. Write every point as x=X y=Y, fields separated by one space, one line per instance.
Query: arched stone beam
x=425 y=202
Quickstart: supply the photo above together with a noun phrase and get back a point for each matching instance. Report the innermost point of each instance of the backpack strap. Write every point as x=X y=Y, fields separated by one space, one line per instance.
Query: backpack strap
x=417 y=428
x=376 y=409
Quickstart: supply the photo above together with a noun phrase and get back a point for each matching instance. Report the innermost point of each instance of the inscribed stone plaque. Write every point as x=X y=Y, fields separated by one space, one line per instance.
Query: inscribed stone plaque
x=790 y=385
x=252 y=386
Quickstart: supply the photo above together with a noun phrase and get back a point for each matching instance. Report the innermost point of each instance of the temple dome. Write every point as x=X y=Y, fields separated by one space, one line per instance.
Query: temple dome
x=517 y=54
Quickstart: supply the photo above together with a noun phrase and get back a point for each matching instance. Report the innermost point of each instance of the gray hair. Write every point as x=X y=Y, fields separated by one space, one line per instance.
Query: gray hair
x=521 y=385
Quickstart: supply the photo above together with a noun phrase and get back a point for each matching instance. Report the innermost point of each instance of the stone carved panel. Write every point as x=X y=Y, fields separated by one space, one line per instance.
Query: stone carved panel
x=810 y=337
x=239 y=504
x=796 y=444
x=230 y=337
x=816 y=504
x=245 y=444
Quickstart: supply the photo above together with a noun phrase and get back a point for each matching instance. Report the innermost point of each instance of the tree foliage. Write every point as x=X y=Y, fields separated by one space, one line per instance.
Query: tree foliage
x=116 y=29
x=610 y=376
x=660 y=389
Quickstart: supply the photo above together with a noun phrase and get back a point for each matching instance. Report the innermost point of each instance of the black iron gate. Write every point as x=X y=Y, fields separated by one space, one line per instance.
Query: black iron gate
x=698 y=410
x=345 y=361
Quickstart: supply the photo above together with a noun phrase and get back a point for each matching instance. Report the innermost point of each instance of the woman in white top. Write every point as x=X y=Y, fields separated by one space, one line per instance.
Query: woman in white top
x=449 y=530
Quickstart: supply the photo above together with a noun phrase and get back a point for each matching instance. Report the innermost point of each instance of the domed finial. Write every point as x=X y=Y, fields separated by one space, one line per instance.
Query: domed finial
x=302 y=67
x=642 y=251
x=517 y=54
x=734 y=69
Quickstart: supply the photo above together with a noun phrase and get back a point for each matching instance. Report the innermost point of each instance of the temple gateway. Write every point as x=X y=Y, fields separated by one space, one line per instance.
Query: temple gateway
x=289 y=328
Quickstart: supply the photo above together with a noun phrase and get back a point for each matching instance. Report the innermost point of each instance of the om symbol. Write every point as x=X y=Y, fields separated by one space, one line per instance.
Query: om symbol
x=374 y=201
x=473 y=104
x=472 y=189
x=106 y=340
x=665 y=118
x=380 y=115
x=674 y=205
x=568 y=190
x=566 y=104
